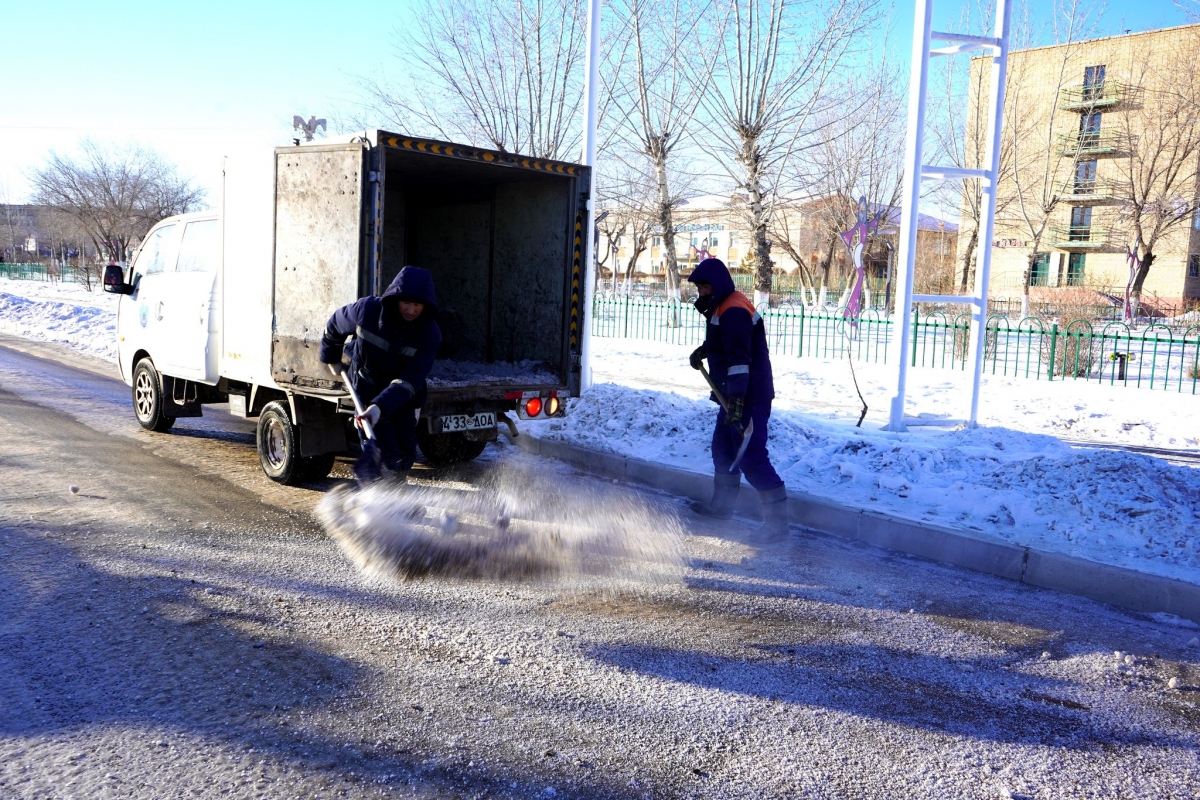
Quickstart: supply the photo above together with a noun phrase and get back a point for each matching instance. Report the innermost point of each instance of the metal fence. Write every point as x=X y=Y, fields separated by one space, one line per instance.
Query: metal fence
x=1155 y=356
x=44 y=272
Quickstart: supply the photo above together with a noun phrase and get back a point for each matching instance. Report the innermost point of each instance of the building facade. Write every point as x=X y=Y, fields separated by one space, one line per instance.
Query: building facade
x=1082 y=138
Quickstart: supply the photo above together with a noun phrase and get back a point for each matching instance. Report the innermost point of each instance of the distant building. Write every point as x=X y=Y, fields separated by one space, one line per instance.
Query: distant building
x=714 y=225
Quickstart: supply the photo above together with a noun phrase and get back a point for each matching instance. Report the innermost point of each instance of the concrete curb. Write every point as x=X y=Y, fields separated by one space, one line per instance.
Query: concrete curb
x=1116 y=586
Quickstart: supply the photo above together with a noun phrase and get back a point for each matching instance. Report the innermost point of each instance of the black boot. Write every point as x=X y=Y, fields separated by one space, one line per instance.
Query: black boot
x=725 y=492
x=775 y=525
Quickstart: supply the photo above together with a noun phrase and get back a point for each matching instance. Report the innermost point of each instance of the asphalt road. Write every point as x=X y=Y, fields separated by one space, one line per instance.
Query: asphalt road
x=182 y=627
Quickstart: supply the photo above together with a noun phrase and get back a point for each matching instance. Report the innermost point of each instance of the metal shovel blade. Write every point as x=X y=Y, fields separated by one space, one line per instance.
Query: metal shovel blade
x=747 y=432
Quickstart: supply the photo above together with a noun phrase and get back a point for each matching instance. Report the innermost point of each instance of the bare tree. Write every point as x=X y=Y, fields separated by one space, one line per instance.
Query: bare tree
x=633 y=202
x=15 y=220
x=1158 y=178
x=775 y=59
x=855 y=155
x=610 y=230
x=115 y=195
x=1038 y=136
x=506 y=75
x=667 y=74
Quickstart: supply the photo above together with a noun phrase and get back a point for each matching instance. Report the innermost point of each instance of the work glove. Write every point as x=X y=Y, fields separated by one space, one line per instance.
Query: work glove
x=697 y=357
x=338 y=370
x=733 y=413
x=371 y=416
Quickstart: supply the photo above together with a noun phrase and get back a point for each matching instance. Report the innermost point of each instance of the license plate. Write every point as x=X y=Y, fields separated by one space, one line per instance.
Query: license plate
x=463 y=422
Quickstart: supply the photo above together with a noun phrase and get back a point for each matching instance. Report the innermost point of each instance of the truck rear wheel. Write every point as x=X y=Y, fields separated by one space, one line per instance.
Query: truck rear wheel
x=148 y=398
x=441 y=449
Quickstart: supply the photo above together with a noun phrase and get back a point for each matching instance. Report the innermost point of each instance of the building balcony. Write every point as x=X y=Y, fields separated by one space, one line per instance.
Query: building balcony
x=1082 y=98
x=1088 y=144
x=1091 y=237
x=1093 y=191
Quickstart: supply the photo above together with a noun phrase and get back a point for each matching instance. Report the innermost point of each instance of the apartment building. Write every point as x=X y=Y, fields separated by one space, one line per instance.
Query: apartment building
x=1088 y=130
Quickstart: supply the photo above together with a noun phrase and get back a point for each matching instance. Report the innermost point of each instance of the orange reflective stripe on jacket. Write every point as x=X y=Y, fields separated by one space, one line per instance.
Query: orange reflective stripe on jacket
x=737 y=300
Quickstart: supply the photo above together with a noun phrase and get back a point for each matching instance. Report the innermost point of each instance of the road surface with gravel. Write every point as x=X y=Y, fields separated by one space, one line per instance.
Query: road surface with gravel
x=181 y=627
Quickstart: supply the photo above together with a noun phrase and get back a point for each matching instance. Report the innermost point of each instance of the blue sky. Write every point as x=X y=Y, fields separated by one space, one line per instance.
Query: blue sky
x=193 y=79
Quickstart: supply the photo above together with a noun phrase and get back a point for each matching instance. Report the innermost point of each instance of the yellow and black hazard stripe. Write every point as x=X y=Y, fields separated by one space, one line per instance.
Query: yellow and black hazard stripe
x=576 y=279
x=486 y=156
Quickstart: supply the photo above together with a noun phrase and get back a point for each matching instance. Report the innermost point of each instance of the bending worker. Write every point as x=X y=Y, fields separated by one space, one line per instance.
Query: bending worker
x=395 y=343
x=735 y=344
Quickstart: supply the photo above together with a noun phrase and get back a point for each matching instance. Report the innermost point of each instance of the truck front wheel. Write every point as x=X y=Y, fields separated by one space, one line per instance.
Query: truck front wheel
x=148 y=398
x=441 y=449
x=279 y=449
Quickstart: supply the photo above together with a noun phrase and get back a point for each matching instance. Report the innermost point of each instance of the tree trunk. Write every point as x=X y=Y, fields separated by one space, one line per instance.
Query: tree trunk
x=666 y=220
x=1025 y=277
x=967 y=259
x=1140 y=278
x=760 y=254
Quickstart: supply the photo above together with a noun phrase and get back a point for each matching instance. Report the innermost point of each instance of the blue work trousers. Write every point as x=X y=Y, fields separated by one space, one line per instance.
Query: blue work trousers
x=395 y=434
x=756 y=463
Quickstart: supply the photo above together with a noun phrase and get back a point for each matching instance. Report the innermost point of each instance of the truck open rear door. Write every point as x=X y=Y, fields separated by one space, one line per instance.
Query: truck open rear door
x=319 y=246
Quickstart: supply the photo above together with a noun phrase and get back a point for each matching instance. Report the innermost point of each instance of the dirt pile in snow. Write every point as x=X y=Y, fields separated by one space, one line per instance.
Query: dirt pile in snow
x=519 y=526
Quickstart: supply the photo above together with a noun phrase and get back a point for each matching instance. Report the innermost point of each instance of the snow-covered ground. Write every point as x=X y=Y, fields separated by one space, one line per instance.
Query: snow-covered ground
x=60 y=312
x=1019 y=477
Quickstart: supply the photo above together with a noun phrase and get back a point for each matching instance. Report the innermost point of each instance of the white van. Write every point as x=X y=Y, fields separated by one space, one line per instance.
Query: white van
x=230 y=305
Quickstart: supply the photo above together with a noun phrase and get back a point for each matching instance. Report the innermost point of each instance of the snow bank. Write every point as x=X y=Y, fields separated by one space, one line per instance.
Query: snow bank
x=66 y=313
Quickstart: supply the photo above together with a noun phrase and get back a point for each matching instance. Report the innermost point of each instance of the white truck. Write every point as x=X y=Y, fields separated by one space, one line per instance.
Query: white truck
x=230 y=305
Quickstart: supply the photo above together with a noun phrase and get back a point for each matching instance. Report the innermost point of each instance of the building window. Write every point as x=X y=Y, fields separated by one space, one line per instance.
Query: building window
x=1089 y=129
x=1196 y=221
x=1194 y=265
x=1093 y=81
x=1081 y=224
x=657 y=241
x=1039 y=270
x=1085 y=177
x=1075 y=267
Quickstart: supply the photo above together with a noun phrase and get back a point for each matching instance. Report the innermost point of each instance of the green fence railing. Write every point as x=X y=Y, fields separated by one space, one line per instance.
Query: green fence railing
x=42 y=272
x=1156 y=356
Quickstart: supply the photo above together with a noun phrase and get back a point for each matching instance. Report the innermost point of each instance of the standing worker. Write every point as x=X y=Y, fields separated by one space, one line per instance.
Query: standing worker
x=395 y=343
x=735 y=344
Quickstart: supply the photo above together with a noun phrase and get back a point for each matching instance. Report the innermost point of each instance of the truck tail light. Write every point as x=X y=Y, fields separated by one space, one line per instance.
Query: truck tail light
x=533 y=406
x=552 y=406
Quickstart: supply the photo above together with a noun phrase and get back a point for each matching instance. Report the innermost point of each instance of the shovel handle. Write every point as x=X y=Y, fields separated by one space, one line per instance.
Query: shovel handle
x=720 y=398
x=367 y=430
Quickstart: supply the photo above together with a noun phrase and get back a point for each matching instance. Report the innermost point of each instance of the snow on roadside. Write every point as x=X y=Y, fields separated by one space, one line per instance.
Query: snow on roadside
x=1009 y=478
x=60 y=312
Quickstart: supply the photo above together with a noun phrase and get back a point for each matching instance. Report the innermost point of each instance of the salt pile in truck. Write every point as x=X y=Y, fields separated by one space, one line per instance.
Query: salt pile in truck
x=229 y=305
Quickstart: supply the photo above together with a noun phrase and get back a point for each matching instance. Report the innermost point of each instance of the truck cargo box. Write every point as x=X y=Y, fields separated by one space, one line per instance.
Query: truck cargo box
x=501 y=234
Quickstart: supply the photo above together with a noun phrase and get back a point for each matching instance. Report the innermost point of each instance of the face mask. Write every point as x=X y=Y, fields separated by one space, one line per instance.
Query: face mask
x=703 y=303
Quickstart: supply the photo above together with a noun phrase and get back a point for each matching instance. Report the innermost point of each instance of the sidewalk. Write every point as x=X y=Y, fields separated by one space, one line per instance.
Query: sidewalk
x=1126 y=588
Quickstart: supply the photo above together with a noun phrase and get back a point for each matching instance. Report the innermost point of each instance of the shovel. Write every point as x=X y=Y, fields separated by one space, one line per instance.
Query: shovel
x=367 y=468
x=746 y=431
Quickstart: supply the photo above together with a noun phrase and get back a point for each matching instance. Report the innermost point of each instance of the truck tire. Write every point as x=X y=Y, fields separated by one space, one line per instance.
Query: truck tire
x=279 y=449
x=315 y=468
x=148 y=398
x=441 y=449
x=278 y=444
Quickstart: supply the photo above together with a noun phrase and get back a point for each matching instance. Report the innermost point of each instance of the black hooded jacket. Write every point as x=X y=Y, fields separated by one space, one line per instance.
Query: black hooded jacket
x=390 y=358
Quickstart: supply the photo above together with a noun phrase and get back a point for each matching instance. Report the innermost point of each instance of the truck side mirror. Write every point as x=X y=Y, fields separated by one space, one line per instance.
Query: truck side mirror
x=114 y=280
